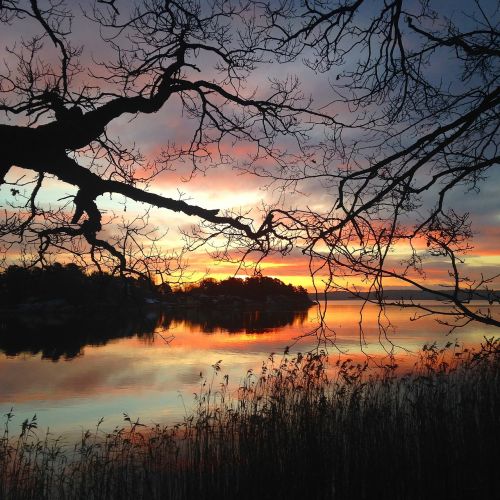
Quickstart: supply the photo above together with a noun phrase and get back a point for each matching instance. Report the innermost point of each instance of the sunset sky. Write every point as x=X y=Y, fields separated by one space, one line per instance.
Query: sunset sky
x=349 y=148
x=227 y=187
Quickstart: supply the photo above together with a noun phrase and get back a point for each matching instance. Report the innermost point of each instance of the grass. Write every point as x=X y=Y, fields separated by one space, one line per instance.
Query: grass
x=301 y=428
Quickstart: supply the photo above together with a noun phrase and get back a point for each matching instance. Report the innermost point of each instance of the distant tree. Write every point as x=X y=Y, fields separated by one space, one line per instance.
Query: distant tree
x=15 y=283
x=255 y=288
x=164 y=289
x=70 y=283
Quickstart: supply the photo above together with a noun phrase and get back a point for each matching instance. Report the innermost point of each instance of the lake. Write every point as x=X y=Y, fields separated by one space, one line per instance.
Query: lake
x=71 y=373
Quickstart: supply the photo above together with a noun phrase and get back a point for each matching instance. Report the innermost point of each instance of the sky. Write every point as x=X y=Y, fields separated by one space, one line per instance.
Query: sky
x=227 y=187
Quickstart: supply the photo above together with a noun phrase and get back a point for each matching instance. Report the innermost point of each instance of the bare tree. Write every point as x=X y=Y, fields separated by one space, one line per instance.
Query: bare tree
x=418 y=89
x=59 y=103
x=399 y=137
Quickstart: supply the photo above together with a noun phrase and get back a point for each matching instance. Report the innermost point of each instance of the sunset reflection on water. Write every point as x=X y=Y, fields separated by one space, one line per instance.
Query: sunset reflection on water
x=154 y=375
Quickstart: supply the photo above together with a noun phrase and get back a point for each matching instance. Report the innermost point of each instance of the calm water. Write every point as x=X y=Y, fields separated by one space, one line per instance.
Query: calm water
x=70 y=374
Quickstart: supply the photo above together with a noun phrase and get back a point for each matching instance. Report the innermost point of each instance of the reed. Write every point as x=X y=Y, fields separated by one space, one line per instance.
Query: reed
x=303 y=427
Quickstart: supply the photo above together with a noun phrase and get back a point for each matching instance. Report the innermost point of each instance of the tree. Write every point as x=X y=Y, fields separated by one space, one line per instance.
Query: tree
x=396 y=138
x=414 y=138
x=197 y=53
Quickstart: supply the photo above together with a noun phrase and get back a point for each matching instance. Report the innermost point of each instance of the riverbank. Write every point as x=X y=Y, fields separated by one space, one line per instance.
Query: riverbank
x=300 y=429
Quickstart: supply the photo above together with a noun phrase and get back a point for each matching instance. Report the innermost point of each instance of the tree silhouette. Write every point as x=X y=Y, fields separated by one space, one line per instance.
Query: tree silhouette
x=61 y=109
x=418 y=98
x=421 y=87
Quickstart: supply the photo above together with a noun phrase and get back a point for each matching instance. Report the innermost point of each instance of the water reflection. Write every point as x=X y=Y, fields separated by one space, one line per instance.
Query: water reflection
x=67 y=335
x=235 y=320
x=123 y=364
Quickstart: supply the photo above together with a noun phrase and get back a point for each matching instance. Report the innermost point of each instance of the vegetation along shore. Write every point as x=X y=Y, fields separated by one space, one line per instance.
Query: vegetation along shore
x=304 y=427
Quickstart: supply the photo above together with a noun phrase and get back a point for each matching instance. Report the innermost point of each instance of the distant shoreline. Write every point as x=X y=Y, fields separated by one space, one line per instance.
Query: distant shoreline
x=408 y=295
x=134 y=306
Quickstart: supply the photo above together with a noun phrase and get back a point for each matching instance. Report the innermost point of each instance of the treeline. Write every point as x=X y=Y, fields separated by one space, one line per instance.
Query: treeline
x=255 y=288
x=71 y=284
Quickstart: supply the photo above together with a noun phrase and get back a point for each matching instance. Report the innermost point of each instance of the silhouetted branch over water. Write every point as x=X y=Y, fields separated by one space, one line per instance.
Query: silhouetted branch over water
x=365 y=124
